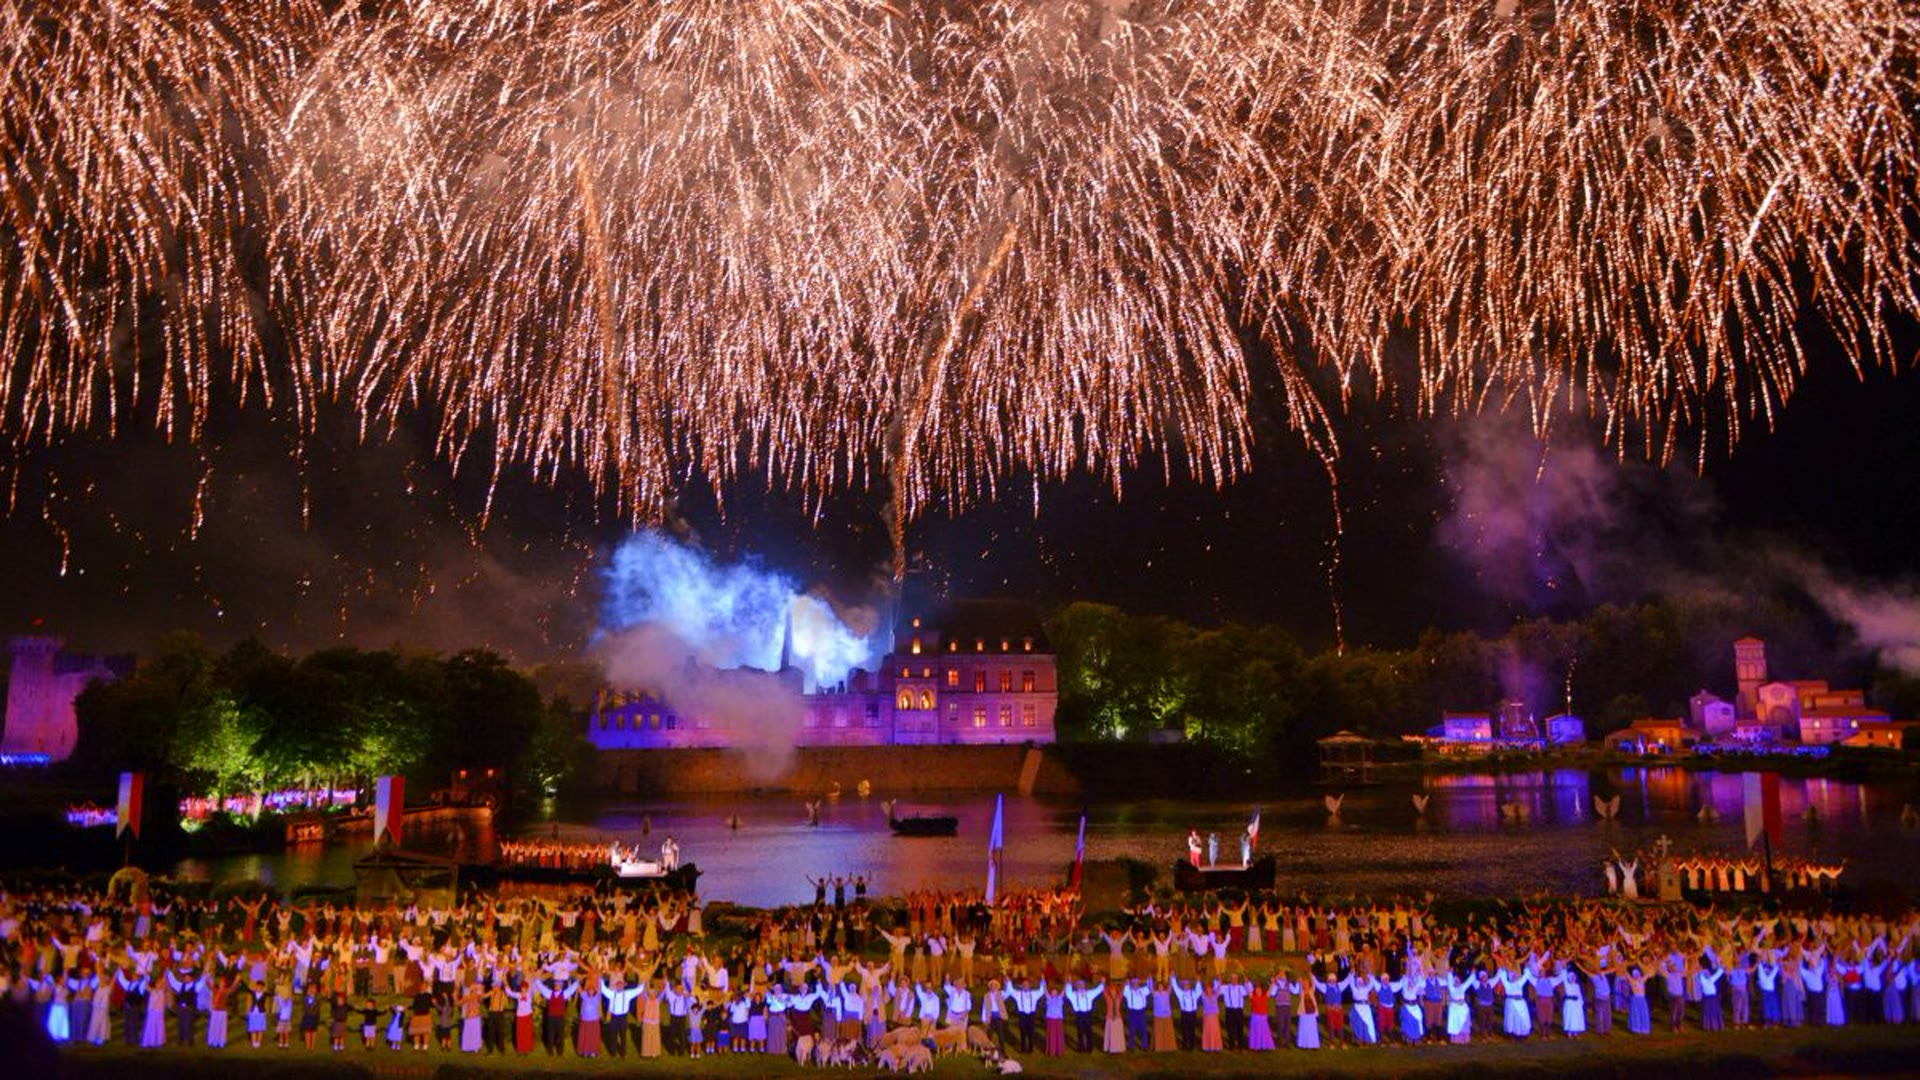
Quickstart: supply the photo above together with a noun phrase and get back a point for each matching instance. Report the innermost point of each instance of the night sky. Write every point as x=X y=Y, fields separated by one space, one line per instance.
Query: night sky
x=139 y=536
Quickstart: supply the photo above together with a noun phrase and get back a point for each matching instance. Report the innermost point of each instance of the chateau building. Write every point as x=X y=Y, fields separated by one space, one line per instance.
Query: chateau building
x=977 y=672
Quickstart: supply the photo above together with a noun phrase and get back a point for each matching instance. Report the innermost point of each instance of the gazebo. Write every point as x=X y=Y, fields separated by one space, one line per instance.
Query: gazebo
x=1346 y=758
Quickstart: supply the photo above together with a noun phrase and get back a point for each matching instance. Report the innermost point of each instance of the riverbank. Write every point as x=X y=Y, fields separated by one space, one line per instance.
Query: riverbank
x=1855 y=1051
x=1850 y=766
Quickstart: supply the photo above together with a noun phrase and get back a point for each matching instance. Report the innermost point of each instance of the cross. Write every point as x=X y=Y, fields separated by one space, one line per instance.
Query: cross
x=1664 y=845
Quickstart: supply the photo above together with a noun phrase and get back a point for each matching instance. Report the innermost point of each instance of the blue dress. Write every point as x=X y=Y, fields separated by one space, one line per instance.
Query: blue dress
x=1639 y=1020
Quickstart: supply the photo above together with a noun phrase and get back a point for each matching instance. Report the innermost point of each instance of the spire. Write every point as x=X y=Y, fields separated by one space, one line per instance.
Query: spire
x=786 y=642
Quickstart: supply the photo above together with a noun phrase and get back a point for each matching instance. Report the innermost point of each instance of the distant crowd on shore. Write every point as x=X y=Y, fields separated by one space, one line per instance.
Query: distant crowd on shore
x=842 y=980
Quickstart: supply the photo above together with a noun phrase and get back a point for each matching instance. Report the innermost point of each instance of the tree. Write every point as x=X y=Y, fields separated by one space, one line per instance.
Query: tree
x=214 y=745
x=129 y=724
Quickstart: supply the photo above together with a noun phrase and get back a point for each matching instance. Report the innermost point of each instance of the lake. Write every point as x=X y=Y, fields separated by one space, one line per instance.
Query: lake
x=1464 y=847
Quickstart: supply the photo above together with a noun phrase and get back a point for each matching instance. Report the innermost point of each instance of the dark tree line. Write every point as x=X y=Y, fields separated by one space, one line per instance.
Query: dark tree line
x=253 y=719
x=1254 y=690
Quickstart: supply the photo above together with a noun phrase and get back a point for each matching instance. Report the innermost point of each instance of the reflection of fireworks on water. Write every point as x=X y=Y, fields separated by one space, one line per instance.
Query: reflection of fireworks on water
x=831 y=240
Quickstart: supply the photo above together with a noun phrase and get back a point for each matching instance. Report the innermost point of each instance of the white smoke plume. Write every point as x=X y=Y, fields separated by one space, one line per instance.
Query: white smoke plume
x=1884 y=618
x=707 y=638
x=760 y=711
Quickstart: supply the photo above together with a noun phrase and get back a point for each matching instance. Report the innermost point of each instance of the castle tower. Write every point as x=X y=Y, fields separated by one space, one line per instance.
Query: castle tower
x=40 y=719
x=1749 y=671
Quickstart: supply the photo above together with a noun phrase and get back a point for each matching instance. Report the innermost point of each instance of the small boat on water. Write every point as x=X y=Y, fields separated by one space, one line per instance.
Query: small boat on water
x=923 y=825
x=1258 y=874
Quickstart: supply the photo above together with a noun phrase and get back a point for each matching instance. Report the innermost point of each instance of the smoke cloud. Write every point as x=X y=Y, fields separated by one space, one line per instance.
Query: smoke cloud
x=734 y=616
x=1884 y=618
x=761 y=711
x=706 y=639
x=1556 y=529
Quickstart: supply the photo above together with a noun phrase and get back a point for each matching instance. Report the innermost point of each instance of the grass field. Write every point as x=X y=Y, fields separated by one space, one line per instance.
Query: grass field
x=1804 y=1052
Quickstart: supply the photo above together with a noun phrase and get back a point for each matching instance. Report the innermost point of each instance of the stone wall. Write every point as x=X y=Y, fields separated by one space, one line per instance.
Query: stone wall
x=889 y=769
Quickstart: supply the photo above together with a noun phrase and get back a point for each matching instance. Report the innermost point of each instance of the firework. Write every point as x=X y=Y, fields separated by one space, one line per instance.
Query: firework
x=836 y=242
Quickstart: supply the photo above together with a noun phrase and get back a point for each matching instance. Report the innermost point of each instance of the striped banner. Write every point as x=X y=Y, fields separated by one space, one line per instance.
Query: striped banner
x=132 y=797
x=389 y=800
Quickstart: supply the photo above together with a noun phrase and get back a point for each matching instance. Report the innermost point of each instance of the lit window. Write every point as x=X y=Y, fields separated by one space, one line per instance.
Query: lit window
x=906 y=699
x=926 y=673
x=953 y=646
x=1026 y=682
x=979 y=645
x=979 y=716
x=953 y=678
x=916 y=622
x=906 y=673
x=926 y=699
x=1003 y=645
x=1006 y=682
x=979 y=682
x=653 y=720
x=1027 y=718
x=916 y=646
x=1006 y=716
x=1026 y=644
x=603 y=721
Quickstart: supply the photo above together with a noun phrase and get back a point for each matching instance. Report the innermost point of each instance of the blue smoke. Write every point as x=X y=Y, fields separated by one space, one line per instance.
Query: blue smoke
x=733 y=616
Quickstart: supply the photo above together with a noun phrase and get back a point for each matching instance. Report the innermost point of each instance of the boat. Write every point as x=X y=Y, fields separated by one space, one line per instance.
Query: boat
x=924 y=825
x=638 y=874
x=1258 y=874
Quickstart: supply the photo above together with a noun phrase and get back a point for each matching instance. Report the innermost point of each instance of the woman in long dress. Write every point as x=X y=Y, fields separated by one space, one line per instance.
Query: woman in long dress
x=1210 y=1041
x=1459 y=1014
x=776 y=1038
x=153 y=1029
x=1516 y=1018
x=587 y=1041
x=1639 y=1016
x=471 y=1019
x=59 y=1019
x=1259 y=1026
x=1360 y=1013
x=522 y=996
x=1306 y=1017
x=222 y=993
x=1573 y=1003
x=100 y=1019
x=1163 y=1040
x=650 y=1023
x=1114 y=1037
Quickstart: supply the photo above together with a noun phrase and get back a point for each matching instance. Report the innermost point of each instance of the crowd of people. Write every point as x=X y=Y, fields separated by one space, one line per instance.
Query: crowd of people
x=619 y=973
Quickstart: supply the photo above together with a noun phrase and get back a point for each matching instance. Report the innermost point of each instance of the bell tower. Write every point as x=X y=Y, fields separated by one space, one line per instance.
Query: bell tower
x=1749 y=671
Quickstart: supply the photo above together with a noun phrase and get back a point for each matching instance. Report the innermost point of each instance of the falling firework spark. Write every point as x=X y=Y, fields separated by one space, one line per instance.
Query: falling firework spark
x=844 y=242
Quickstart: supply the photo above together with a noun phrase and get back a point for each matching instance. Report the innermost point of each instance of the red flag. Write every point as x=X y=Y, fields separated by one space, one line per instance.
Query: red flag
x=127 y=813
x=1770 y=807
x=389 y=801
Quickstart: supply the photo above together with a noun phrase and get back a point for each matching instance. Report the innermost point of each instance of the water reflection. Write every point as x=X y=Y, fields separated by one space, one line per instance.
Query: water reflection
x=1465 y=846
